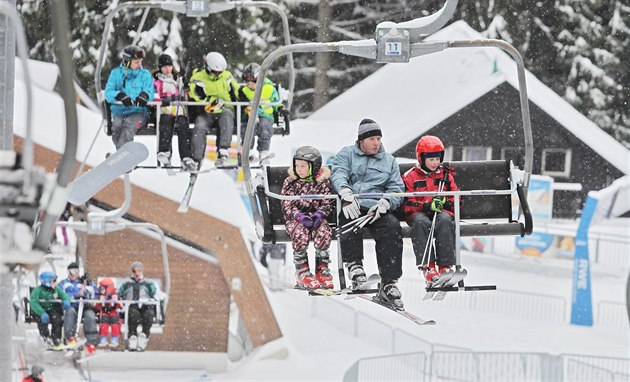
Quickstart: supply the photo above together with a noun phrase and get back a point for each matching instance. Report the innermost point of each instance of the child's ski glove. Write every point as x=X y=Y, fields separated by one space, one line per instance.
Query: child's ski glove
x=304 y=219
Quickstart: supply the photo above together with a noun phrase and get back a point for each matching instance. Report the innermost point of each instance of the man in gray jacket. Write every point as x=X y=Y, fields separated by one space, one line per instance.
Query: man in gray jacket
x=362 y=168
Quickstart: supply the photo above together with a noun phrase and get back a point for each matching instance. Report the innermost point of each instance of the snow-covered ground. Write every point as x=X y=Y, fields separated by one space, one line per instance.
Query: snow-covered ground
x=319 y=341
x=324 y=336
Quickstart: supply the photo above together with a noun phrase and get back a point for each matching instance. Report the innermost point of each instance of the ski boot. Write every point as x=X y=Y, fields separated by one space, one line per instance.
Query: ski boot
x=190 y=164
x=430 y=273
x=132 y=343
x=143 y=340
x=222 y=158
x=90 y=349
x=322 y=258
x=164 y=158
x=263 y=158
x=357 y=274
x=390 y=293
x=103 y=342
x=304 y=277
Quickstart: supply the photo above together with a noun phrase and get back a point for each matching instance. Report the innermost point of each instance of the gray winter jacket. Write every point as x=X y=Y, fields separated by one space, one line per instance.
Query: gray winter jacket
x=363 y=173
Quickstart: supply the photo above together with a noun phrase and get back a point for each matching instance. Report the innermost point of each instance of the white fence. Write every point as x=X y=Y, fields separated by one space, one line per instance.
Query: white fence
x=502 y=302
x=470 y=366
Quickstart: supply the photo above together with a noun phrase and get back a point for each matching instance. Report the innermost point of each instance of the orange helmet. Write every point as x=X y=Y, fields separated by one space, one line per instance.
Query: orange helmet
x=108 y=284
x=429 y=146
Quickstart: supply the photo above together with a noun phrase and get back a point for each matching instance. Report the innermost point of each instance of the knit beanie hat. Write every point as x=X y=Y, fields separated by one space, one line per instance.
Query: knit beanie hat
x=369 y=128
x=164 y=59
x=137 y=265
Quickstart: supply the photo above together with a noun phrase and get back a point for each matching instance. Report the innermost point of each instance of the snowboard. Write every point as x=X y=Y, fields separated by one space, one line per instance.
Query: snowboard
x=122 y=161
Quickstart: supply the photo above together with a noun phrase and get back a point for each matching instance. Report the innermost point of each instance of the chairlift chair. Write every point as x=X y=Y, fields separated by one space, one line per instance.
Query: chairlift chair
x=489 y=196
x=191 y=8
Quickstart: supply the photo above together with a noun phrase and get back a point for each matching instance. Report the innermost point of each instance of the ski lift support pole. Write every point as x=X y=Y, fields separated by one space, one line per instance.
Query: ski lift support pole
x=393 y=43
x=192 y=8
x=13 y=27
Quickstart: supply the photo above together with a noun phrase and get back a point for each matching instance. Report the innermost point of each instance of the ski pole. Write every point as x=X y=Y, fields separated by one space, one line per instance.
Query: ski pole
x=431 y=231
x=351 y=225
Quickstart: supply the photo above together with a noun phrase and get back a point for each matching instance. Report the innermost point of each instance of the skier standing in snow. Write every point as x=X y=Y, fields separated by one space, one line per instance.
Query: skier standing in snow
x=77 y=287
x=216 y=85
x=427 y=175
x=264 y=124
x=108 y=312
x=168 y=89
x=130 y=85
x=366 y=167
x=49 y=312
x=305 y=219
x=138 y=289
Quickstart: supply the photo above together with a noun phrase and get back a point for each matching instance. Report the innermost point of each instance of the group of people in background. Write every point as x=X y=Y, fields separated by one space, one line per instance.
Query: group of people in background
x=61 y=306
x=366 y=167
x=130 y=87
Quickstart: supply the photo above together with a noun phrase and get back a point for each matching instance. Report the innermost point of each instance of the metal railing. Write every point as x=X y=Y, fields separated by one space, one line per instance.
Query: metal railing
x=613 y=314
x=471 y=366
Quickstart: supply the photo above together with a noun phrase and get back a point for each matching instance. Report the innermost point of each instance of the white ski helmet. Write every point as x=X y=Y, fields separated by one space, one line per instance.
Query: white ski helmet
x=215 y=62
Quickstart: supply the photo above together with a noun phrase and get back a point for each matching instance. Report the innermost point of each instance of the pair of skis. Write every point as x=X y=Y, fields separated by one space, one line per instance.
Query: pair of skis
x=365 y=292
x=452 y=282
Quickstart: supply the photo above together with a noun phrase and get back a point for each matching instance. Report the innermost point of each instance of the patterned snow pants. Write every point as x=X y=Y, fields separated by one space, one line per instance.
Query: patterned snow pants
x=301 y=235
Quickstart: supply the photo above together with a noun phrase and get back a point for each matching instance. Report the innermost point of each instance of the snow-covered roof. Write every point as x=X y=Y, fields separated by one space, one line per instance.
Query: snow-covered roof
x=43 y=74
x=409 y=99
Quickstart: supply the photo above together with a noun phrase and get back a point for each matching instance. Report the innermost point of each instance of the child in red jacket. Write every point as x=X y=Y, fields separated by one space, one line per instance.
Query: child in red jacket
x=108 y=311
x=427 y=176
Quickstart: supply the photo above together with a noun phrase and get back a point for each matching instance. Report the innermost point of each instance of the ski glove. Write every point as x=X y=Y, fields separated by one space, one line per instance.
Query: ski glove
x=349 y=204
x=282 y=111
x=142 y=99
x=304 y=219
x=200 y=90
x=166 y=101
x=437 y=204
x=124 y=98
x=44 y=318
x=380 y=208
x=318 y=219
x=66 y=304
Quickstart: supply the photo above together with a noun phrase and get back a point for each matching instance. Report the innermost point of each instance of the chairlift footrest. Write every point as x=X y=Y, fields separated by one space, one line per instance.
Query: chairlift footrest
x=469 y=288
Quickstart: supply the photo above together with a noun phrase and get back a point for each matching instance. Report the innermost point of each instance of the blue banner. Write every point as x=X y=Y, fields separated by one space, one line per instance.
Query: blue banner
x=582 y=304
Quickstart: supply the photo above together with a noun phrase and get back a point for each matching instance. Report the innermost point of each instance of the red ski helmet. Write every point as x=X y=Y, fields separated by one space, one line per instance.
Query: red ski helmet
x=108 y=284
x=429 y=146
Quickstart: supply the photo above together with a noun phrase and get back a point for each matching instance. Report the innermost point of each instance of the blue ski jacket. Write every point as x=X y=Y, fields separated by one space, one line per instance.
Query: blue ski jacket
x=75 y=289
x=132 y=82
x=362 y=173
